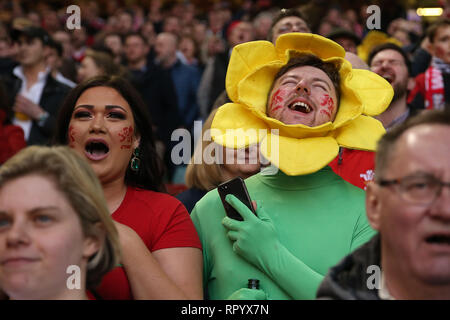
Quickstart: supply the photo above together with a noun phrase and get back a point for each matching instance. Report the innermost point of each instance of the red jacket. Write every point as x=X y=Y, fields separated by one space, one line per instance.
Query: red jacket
x=354 y=166
x=11 y=139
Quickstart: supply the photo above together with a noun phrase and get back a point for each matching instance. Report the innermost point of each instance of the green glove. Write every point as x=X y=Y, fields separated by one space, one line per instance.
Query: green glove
x=248 y=294
x=255 y=240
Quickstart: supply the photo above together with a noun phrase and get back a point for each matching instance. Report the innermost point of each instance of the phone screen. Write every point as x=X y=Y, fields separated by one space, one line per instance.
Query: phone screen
x=237 y=188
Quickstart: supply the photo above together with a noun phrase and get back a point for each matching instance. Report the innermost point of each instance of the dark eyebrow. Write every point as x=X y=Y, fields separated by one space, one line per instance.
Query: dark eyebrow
x=90 y=107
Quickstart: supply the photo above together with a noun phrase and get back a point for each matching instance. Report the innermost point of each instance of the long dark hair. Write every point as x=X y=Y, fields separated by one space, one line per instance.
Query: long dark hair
x=150 y=173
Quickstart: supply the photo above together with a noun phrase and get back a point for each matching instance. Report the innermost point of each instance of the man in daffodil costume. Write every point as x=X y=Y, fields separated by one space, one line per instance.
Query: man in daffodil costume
x=308 y=218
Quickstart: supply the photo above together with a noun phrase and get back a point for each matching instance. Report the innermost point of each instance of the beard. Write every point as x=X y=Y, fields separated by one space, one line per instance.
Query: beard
x=400 y=90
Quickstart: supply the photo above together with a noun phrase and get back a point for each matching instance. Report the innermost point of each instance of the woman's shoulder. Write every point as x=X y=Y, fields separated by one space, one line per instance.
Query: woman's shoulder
x=153 y=198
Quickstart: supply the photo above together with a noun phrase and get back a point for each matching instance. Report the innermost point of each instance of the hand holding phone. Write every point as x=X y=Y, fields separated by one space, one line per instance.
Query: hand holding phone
x=237 y=188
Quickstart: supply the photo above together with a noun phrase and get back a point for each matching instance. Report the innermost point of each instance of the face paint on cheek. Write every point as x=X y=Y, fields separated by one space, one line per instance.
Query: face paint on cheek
x=327 y=102
x=126 y=137
x=277 y=100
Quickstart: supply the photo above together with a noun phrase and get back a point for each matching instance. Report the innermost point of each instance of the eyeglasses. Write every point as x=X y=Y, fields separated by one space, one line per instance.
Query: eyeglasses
x=417 y=189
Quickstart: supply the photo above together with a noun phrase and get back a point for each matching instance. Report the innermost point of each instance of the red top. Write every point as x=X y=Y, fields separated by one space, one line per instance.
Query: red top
x=161 y=221
x=11 y=139
x=354 y=166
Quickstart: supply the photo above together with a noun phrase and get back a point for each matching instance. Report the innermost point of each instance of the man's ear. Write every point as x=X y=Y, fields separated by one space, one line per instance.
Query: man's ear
x=373 y=205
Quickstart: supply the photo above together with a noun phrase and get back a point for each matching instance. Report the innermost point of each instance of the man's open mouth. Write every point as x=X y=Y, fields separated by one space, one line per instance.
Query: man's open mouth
x=438 y=239
x=96 y=149
x=299 y=106
x=389 y=77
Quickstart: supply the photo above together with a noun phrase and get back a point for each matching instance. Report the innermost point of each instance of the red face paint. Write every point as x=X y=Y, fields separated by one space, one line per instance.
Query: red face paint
x=277 y=100
x=126 y=136
x=72 y=134
x=328 y=102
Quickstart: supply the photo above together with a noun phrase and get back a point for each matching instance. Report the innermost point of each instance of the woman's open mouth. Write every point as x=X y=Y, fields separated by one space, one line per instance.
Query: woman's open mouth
x=96 y=149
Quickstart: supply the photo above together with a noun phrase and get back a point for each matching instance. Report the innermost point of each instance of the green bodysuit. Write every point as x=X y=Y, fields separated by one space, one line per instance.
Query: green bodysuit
x=310 y=223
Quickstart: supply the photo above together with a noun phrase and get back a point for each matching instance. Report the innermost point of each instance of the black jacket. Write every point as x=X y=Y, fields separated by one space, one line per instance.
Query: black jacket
x=348 y=279
x=52 y=97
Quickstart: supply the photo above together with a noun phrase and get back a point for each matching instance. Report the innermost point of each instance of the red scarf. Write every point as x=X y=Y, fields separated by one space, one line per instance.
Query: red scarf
x=434 y=89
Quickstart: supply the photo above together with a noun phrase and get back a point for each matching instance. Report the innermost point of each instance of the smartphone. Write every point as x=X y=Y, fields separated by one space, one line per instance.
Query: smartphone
x=237 y=188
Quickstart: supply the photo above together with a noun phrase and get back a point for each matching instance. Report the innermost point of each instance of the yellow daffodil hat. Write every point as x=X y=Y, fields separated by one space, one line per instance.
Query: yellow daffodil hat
x=298 y=149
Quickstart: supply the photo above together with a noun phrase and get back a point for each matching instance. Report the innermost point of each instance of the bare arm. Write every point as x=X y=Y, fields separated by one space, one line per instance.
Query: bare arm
x=166 y=274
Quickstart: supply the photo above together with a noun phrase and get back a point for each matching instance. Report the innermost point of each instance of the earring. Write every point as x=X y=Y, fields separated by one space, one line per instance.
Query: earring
x=135 y=161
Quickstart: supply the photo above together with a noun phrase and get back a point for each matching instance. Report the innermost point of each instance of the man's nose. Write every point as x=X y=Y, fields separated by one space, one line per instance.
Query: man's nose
x=440 y=208
x=303 y=87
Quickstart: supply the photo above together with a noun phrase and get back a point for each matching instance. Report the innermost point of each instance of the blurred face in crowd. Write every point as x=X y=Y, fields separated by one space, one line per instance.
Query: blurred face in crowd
x=172 y=24
x=289 y=24
x=348 y=44
x=187 y=47
x=415 y=236
x=53 y=60
x=241 y=33
x=125 y=22
x=102 y=129
x=441 y=44
x=241 y=162
x=262 y=27
x=31 y=51
x=135 y=49
x=79 y=37
x=64 y=38
x=40 y=237
x=391 y=66
x=165 y=47
x=88 y=69
x=114 y=42
x=303 y=95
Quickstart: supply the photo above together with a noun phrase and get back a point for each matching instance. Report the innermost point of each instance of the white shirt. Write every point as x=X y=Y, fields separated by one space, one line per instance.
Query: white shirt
x=34 y=93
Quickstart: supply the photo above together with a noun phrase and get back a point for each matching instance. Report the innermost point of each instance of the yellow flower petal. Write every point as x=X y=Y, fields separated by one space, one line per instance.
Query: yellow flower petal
x=361 y=133
x=374 y=90
x=308 y=43
x=235 y=126
x=299 y=156
x=245 y=58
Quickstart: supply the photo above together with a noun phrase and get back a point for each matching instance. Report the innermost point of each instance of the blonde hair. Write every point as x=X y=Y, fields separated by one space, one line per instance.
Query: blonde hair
x=75 y=178
x=203 y=176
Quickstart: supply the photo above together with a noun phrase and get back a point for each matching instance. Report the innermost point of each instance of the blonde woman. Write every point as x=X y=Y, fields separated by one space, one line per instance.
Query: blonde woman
x=57 y=238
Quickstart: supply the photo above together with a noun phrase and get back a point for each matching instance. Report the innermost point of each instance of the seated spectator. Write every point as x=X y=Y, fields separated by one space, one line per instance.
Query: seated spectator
x=432 y=88
x=409 y=205
x=53 y=222
x=105 y=121
x=204 y=174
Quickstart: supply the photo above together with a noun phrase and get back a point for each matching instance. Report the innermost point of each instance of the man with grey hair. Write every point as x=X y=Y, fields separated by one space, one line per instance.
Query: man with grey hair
x=409 y=205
